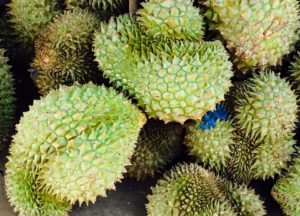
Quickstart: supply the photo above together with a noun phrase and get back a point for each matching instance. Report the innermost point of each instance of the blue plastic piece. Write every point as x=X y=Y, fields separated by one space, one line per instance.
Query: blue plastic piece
x=209 y=121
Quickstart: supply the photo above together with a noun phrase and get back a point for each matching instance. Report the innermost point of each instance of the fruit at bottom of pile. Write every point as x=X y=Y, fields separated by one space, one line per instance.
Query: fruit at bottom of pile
x=29 y=17
x=63 y=53
x=83 y=137
x=287 y=190
x=258 y=33
x=172 y=81
x=7 y=99
x=175 y=19
x=158 y=144
x=188 y=189
x=268 y=107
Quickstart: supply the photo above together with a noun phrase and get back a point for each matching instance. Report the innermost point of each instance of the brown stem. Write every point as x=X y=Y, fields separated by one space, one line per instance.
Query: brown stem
x=132 y=6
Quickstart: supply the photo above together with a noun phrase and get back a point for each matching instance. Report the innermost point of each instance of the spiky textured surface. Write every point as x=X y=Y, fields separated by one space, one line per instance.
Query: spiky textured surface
x=63 y=51
x=189 y=189
x=101 y=4
x=259 y=33
x=268 y=108
x=295 y=69
x=158 y=144
x=287 y=190
x=176 y=19
x=81 y=136
x=7 y=99
x=211 y=147
x=172 y=81
x=29 y=18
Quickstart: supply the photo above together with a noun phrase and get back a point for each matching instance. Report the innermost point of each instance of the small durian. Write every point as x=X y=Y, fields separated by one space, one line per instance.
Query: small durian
x=268 y=108
x=258 y=33
x=287 y=190
x=158 y=144
x=83 y=137
x=172 y=81
x=210 y=140
x=188 y=189
x=174 y=19
x=28 y=18
x=7 y=99
x=63 y=53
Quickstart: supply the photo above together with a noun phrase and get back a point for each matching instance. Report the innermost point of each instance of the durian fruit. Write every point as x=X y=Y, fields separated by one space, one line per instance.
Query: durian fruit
x=175 y=19
x=63 y=53
x=100 y=4
x=158 y=144
x=210 y=141
x=82 y=137
x=188 y=189
x=268 y=108
x=258 y=33
x=287 y=190
x=172 y=81
x=7 y=99
x=29 y=17
x=295 y=69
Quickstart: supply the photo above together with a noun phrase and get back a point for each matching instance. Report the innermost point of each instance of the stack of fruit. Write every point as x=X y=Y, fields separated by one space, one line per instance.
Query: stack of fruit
x=128 y=93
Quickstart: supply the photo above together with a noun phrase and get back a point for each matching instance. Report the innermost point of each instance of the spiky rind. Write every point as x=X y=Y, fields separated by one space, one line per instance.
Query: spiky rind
x=29 y=18
x=175 y=19
x=158 y=144
x=100 y=4
x=87 y=131
x=259 y=33
x=268 y=109
x=211 y=147
x=63 y=51
x=7 y=99
x=287 y=190
x=295 y=69
x=188 y=189
x=172 y=81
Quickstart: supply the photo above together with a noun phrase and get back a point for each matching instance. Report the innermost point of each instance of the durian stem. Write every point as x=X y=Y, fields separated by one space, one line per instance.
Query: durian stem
x=132 y=6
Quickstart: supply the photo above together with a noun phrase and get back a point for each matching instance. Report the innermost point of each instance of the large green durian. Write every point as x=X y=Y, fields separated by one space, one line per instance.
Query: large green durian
x=82 y=137
x=30 y=17
x=188 y=189
x=171 y=80
x=7 y=99
x=268 y=108
x=176 y=19
x=287 y=190
x=158 y=144
x=63 y=53
x=101 y=4
x=258 y=33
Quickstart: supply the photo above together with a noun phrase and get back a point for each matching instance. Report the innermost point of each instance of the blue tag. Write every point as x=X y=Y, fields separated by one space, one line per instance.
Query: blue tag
x=209 y=120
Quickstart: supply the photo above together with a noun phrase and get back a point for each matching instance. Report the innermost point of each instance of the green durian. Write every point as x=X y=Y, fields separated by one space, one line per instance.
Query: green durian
x=7 y=99
x=175 y=19
x=172 y=81
x=268 y=108
x=287 y=190
x=29 y=17
x=63 y=53
x=83 y=137
x=211 y=147
x=295 y=71
x=258 y=33
x=158 y=144
x=101 y=4
x=188 y=189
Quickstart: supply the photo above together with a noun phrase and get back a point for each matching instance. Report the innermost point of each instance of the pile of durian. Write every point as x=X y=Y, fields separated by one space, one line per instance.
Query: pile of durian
x=213 y=84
